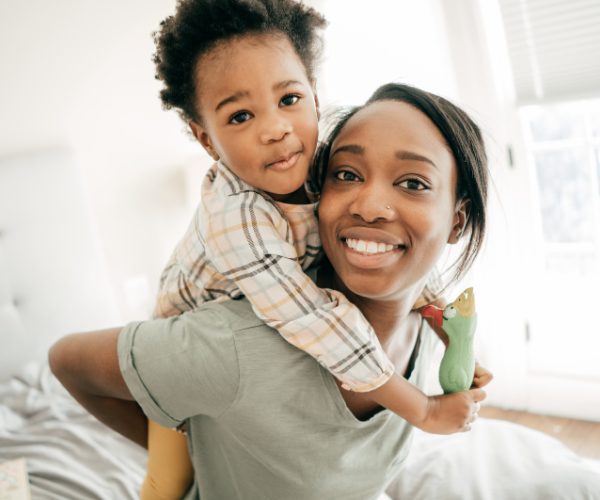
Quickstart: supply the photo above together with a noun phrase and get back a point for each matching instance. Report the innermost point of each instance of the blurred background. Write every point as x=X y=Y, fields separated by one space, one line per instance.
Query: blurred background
x=77 y=76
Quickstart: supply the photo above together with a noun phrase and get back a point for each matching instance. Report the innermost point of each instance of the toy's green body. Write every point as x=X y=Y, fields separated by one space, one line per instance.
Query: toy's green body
x=459 y=321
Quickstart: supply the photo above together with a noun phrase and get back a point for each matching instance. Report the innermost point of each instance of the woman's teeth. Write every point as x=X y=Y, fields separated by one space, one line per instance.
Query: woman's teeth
x=370 y=247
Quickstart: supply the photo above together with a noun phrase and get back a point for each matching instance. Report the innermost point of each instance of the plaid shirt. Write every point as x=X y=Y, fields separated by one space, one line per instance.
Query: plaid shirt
x=241 y=242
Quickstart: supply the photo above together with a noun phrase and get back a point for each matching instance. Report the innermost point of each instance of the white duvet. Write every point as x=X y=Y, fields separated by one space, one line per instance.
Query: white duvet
x=496 y=460
x=69 y=454
x=72 y=456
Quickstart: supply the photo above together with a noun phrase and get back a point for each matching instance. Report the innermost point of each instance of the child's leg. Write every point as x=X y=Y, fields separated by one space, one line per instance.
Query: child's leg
x=169 y=472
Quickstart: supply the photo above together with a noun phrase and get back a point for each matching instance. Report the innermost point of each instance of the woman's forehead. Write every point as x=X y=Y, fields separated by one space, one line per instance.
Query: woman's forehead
x=391 y=124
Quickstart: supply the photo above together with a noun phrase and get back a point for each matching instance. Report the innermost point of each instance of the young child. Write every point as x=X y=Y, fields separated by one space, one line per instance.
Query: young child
x=240 y=73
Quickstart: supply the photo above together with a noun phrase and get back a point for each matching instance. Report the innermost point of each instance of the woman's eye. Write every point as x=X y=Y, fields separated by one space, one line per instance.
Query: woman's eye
x=346 y=176
x=240 y=117
x=413 y=185
x=289 y=100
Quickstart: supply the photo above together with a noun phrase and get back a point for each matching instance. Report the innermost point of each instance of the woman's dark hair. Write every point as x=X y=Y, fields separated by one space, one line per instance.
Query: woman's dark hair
x=464 y=140
x=199 y=25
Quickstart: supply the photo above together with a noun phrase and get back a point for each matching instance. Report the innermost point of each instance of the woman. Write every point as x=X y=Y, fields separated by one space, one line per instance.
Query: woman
x=401 y=178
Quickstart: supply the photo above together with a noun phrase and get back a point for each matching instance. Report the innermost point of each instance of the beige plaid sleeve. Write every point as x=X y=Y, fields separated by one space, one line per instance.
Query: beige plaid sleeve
x=249 y=242
x=178 y=291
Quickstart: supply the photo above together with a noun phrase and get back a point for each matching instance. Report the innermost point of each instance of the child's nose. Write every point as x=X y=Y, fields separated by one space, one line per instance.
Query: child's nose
x=274 y=128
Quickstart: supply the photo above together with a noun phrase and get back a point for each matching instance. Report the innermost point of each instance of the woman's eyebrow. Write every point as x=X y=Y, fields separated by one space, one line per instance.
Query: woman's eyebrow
x=409 y=155
x=348 y=148
x=400 y=155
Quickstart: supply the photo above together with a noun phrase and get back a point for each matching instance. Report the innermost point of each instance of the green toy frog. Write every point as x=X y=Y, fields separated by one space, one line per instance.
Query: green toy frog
x=458 y=320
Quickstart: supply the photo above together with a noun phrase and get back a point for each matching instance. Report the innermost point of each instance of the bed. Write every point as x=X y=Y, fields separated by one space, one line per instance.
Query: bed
x=53 y=281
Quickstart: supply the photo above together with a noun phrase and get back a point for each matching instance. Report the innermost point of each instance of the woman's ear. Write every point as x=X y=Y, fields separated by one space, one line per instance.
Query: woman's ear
x=203 y=138
x=461 y=216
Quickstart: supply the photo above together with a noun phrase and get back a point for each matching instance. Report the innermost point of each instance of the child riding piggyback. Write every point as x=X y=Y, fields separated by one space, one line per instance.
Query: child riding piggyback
x=241 y=74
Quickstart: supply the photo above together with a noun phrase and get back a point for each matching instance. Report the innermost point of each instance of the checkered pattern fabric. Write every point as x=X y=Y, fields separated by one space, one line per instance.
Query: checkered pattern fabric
x=241 y=242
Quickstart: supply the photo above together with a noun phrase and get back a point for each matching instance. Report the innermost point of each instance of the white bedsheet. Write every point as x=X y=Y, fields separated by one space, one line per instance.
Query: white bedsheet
x=71 y=456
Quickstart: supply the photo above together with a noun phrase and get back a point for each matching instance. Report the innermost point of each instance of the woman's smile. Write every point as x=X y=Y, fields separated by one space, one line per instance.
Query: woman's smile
x=371 y=248
x=370 y=254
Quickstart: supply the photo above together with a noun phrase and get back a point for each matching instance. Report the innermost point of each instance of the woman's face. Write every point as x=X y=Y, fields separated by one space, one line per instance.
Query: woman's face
x=388 y=203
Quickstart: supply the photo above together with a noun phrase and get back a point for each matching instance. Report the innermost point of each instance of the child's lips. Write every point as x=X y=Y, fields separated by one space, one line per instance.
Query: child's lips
x=285 y=162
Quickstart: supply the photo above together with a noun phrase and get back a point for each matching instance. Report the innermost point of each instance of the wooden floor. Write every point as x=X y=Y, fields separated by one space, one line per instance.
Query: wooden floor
x=581 y=436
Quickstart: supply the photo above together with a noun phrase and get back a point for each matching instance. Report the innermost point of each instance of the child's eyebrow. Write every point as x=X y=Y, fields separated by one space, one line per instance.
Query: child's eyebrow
x=232 y=98
x=244 y=93
x=285 y=83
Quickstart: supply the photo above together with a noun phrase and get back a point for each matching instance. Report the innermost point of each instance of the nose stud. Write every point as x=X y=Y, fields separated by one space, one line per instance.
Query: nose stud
x=387 y=207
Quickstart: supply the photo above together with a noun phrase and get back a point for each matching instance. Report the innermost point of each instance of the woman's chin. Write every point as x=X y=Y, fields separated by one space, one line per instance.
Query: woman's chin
x=368 y=287
x=380 y=286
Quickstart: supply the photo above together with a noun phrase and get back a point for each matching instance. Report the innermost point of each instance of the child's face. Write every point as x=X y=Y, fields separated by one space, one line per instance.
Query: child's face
x=259 y=112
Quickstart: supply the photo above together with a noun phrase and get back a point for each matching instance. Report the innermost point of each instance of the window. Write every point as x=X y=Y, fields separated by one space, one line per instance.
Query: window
x=563 y=142
x=533 y=61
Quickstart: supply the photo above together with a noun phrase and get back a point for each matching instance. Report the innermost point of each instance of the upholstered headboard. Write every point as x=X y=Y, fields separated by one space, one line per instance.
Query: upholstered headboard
x=53 y=279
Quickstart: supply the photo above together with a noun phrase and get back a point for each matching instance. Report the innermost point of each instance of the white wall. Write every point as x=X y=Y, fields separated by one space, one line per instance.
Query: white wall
x=371 y=43
x=79 y=73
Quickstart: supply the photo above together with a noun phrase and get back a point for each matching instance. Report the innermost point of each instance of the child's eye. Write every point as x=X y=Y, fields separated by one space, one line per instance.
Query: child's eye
x=240 y=117
x=413 y=185
x=345 y=176
x=289 y=100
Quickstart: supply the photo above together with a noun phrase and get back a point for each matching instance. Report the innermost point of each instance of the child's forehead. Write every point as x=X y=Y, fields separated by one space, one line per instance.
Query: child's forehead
x=228 y=50
x=248 y=64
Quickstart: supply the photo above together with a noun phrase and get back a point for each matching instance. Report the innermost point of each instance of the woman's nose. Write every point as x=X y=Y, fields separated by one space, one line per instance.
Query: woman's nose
x=372 y=205
x=274 y=128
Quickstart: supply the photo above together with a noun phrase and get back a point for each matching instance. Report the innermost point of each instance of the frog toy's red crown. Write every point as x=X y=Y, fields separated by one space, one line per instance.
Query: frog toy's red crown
x=433 y=312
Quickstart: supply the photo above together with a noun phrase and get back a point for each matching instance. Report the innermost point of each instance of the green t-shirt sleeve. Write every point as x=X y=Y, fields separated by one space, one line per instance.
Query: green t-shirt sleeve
x=180 y=367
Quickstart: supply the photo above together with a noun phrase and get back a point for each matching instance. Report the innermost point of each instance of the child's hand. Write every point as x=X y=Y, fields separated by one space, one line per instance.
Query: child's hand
x=451 y=413
x=481 y=377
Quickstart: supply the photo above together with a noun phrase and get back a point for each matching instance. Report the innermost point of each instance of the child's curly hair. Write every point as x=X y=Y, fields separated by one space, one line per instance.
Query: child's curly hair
x=199 y=25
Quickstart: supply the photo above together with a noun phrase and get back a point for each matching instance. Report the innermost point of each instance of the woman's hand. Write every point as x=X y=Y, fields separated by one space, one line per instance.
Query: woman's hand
x=451 y=413
x=481 y=377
